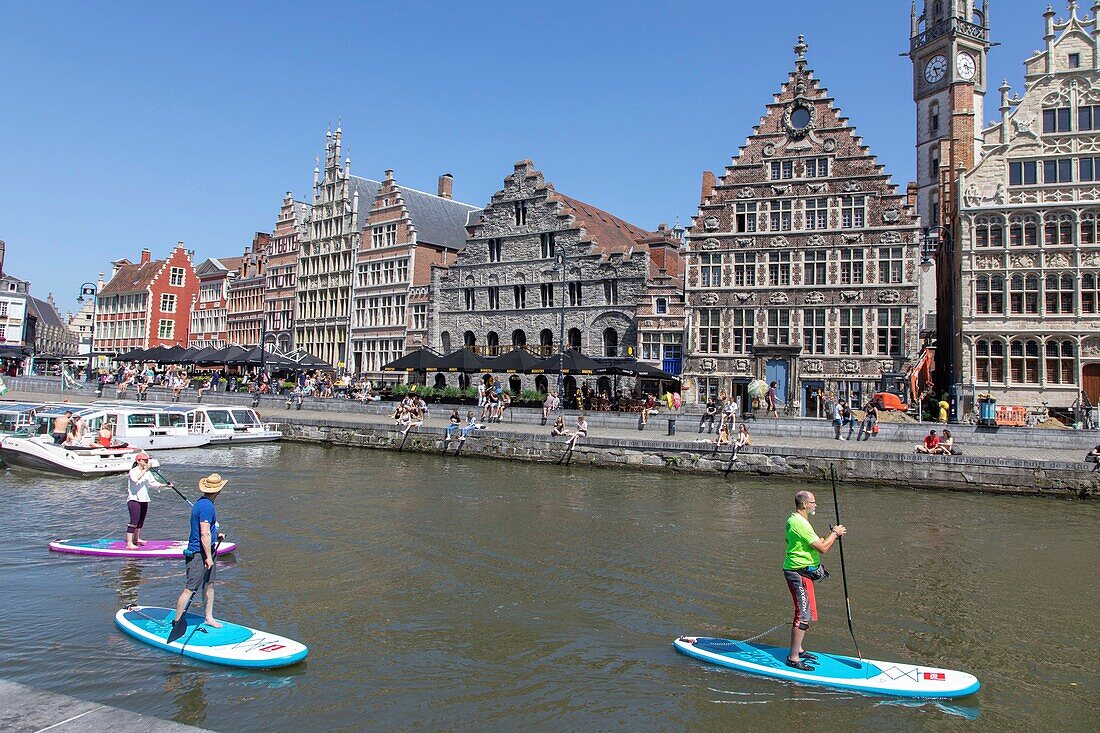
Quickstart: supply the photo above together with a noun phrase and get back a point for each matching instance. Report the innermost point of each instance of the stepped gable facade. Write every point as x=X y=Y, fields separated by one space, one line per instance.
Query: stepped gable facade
x=533 y=255
x=147 y=303
x=1029 y=231
x=406 y=233
x=802 y=263
x=246 y=317
x=209 y=318
x=282 y=272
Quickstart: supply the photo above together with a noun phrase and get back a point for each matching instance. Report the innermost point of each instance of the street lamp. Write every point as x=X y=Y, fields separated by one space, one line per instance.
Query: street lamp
x=938 y=241
x=560 y=258
x=91 y=291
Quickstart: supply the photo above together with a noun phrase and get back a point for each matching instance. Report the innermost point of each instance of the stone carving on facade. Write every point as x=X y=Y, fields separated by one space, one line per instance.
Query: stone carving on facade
x=1092 y=259
x=889 y=296
x=816 y=240
x=1025 y=126
x=769 y=150
x=828 y=145
x=973 y=197
x=710 y=244
x=890 y=238
x=743 y=241
x=852 y=187
x=849 y=366
x=780 y=190
x=886 y=365
x=815 y=187
x=815 y=297
x=850 y=295
x=981 y=262
x=744 y=297
x=741 y=365
x=1059 y=259
x=853 y=237
x=890 y=214
x=709 y=298
x=780 y=241
x=710 y=223
x=1090 y=347
x=745 y=193
x=813 y=366
x=1024 y=260
x=708 y=365
x=778 y=297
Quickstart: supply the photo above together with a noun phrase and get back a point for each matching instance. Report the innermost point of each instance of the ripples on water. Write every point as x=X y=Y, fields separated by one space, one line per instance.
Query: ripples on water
x=463 y=594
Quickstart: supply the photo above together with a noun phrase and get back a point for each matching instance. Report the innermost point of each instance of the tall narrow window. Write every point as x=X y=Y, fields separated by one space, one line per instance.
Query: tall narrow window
x=744 y=269
x=989 y=361
x=1090 y=294
x=1058 y=293
x=746 y=217
x=546 y=292
x=815 y=268
x=1024 y=361
x=851 y=330
x=547 y=245
x=891 y=266
x=520 y=210
x=889 y=331
x=575 y=293
x=817 y=213
x=494 y=298
x=743 y=329
x=710 y=270
x=519 y=296
x=611 y=291
x=851 y=266
x=779 y=327
x=710 y=322
x=468 y=296
x=853 y=211
x=781 y=216
x=779 y=269
x=934 y=118
x=1060 y=363
x=813 y=331
x=494 y=250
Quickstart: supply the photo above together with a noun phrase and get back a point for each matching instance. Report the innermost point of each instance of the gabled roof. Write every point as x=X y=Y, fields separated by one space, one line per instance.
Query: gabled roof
x=46 y=313
x=218 y=265
x=610 y=233
x=131 y=278
x=437 y=220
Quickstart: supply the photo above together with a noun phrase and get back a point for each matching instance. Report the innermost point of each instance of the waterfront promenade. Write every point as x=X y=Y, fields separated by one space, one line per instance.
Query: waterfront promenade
x=25 y=709
x=1010 y=460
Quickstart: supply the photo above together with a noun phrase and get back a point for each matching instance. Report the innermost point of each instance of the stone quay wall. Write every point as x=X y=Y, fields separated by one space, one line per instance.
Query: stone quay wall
x=959 y=473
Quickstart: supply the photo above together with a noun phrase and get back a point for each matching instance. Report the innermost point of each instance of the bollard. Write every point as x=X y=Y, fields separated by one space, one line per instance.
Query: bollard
x=672 y=426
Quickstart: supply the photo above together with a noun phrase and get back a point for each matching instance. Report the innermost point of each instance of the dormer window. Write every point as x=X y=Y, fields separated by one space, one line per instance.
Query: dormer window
x=1075 y=61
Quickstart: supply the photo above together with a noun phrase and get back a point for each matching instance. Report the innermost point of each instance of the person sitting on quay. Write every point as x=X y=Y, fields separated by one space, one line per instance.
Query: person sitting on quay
x=558 y=428
x=581 y=431
x=455 y=422
x=869 y=426
x=946 y=446
x=471 y=425
x=505 y=403
x=648 y=407
x=742 y=437
x=931 y=443
x=709 y=413
x=723 y=434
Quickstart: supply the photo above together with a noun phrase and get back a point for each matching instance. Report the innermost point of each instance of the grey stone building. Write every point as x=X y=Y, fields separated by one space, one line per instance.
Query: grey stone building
x=539 y=267
x=802 y=263
x=1028 y=254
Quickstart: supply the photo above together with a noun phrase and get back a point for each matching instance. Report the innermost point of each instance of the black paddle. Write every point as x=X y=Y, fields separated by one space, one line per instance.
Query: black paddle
x=180 y=625
x=843 y=574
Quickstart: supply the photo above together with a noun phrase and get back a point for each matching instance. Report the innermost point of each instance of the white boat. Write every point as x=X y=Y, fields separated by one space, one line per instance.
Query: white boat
x=224 y=424
x=147 y=428
x=18 y=417
x=42 y=454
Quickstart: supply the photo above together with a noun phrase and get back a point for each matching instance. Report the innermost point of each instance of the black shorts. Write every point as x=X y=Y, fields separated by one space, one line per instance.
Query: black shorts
x=196 y=571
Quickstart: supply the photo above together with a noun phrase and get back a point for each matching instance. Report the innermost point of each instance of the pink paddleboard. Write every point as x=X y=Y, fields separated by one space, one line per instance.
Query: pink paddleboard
x=111 y=547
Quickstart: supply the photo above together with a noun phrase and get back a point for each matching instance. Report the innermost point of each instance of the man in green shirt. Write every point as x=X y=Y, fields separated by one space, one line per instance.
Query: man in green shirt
x=803 y=558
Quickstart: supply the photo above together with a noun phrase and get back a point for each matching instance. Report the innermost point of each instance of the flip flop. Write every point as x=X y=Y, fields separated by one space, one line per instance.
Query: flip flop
x=807 y=656
x=799 y=664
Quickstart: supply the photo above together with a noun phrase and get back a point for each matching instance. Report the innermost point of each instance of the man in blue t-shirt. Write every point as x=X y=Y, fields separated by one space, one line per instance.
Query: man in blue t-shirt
x=199 y=556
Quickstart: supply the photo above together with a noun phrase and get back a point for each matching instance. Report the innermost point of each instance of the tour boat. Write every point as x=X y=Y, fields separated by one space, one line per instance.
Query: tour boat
x=42 y=454
x=225 y=425
x=146 y=428
x=18 y=417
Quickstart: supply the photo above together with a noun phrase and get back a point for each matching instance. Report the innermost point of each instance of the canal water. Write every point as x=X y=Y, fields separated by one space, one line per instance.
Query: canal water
x=466 y=594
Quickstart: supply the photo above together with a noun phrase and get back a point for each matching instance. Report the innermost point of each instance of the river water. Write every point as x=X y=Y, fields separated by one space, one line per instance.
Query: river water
x=466 y=594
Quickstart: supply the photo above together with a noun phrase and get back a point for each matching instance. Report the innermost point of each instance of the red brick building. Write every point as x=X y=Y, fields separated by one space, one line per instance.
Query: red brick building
x=209 y=313
x=245 y=315
x=147 y=303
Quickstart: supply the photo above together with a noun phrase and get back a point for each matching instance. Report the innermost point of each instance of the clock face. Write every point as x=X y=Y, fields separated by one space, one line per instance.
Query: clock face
x=935 y=69
x=966 y=66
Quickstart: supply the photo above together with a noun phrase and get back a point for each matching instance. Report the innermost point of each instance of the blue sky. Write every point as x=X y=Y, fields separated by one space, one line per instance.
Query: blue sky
x=130 y=125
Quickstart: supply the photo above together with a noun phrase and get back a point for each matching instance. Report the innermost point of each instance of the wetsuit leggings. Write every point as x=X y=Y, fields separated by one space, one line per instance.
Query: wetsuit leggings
x=138 y=510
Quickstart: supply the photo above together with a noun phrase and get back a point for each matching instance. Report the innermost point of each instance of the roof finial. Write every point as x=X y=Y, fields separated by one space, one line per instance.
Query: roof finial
x=800 y=49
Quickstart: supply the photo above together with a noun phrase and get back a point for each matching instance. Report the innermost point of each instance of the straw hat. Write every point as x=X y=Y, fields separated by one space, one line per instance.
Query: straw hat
x=212 y=484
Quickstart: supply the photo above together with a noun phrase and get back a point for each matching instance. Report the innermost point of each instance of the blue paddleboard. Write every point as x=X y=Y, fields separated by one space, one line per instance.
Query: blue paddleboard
x=233 y=645
x=832 y=670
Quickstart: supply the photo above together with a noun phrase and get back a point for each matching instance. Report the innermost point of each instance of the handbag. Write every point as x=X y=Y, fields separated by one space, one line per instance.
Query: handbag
x=814 y=573
x=874 y=429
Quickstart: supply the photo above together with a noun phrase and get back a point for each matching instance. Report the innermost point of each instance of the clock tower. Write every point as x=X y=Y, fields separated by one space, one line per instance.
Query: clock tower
x=948 y=47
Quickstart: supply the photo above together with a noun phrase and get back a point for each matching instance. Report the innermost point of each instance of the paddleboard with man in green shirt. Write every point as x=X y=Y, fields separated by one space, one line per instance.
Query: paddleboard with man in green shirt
x=800 y=568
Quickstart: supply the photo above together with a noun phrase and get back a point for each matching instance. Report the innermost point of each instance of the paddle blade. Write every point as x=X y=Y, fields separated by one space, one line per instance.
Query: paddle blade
x=179 y=628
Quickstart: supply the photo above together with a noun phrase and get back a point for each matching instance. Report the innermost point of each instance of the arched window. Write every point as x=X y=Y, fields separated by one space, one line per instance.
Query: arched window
x=515 y=384
x=546 y=341
x=492 y=341
x=469 y=340
x=989 y=361
x=542 y=384
x=989 y=232
x=610 y=342
x=1058 y=230
x=574 y=339
x=463 y=381
x=1060 y=363
x=519 y=338
x=445 y=341
x=934 y=162
x=1088 y=228
x=440 y=381
x=1024 y=361
x=1023 y=294
x=1058 y=293
x=1023 y=231
x=934 y=118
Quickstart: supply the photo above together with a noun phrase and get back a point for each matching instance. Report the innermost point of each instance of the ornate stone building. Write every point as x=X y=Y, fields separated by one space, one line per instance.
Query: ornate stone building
x=1029 y=254
x=326 y=256
x=246 y=316
x=407 y=233
x=535 y=255
x=282 y=272
x=802 y=262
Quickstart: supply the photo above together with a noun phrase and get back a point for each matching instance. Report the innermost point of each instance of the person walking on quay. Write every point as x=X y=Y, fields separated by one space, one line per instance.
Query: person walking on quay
x=548 y=406
x=838 y=419
x=849 y=418
x=199 y=561
x=771 y=399
x=60 y=431
x=139 y=481
x=801 y=568
x=869 y=426
x=708 y=415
